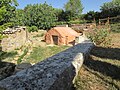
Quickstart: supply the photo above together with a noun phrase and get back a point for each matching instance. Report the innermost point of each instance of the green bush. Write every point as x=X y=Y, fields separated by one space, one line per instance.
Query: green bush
x=32 y=29
x=100 y=37
x=3 y=27
x=60 y=23
x=115 y=28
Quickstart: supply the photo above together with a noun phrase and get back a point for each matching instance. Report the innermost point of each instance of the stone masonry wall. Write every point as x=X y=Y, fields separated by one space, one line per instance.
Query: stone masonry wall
x=54 y=73
x=13 y=41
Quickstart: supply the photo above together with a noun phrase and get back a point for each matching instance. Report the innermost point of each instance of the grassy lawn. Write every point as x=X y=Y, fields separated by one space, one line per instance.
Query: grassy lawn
x=40 y=53
x=102 y=70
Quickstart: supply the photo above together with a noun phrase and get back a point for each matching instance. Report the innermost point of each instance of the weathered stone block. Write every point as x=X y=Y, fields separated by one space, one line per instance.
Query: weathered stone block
x=54 y=73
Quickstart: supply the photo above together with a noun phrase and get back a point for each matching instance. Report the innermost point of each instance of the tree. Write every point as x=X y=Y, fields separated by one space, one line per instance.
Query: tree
x=19 y=18
x=74 y=7
x=7 y=11
x=41 y=15
x=110 y=9
x=91 y=15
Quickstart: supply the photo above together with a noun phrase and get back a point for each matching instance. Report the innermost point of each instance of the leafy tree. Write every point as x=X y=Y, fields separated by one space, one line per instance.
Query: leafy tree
x=62 y=15
x=110 y=9
x=91 y=15
x=7 y=11
x=19 y=18
x=59 y=14
x=41 y=15
x=74 y=7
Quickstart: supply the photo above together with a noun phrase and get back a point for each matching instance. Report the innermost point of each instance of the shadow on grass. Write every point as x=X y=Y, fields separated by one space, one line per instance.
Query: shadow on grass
x=6 y=68
x=4 y=55
x=104 y=67
x=109 y=53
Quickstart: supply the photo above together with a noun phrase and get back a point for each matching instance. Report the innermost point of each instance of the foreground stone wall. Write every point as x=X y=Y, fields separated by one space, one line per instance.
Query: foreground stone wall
x=54 y=73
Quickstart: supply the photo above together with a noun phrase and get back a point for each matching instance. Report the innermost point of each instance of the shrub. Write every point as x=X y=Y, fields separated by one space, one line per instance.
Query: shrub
x=61 y=23
x=3 y=27
x=32 y=29
x=100 y=37
x=115 y=28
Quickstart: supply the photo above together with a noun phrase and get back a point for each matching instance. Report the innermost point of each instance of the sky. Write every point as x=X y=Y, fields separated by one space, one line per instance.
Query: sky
x=89 y=5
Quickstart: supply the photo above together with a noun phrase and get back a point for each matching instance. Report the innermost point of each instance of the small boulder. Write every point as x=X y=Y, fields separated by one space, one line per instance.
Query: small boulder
x=6 y=69
x=22 y=66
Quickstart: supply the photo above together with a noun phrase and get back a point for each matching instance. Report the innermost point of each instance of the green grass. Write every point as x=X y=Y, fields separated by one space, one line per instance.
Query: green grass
x=4 y=55
x=40 y=53
x=101 y=71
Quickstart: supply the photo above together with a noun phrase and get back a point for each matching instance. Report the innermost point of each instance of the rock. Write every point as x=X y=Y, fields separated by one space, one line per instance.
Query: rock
x=54 y=73
x=6 y=70
x=22 y=66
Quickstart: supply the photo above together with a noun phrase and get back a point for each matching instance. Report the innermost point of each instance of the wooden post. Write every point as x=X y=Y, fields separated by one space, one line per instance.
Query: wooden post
x=99 y=22
x=108 y=21
x=66 y=40
x=94 y=22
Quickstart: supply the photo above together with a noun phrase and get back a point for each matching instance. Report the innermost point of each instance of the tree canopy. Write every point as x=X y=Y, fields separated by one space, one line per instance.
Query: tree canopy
x=7 y=11
x=110 y=9
x=92 y=15
x=74 y=7
x=41 y=15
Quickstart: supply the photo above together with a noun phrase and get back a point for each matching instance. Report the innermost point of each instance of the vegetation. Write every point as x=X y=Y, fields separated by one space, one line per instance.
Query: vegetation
x=19 y=18
x=39 y=35
x=4 y=55
x=100 y=37
x=40 y=15
x=74 y=8
x=115 y=27
x=111 y=8
x=102 y=69
x=32 y=29
x=40 y=53
x=7 y=9
x=91 y=16
x=108 y=9
x=22 y=56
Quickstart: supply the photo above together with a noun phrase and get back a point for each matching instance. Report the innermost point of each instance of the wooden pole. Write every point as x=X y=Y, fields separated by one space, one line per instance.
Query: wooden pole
x=108 y=22
x=99 y=22
x=94 y=22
